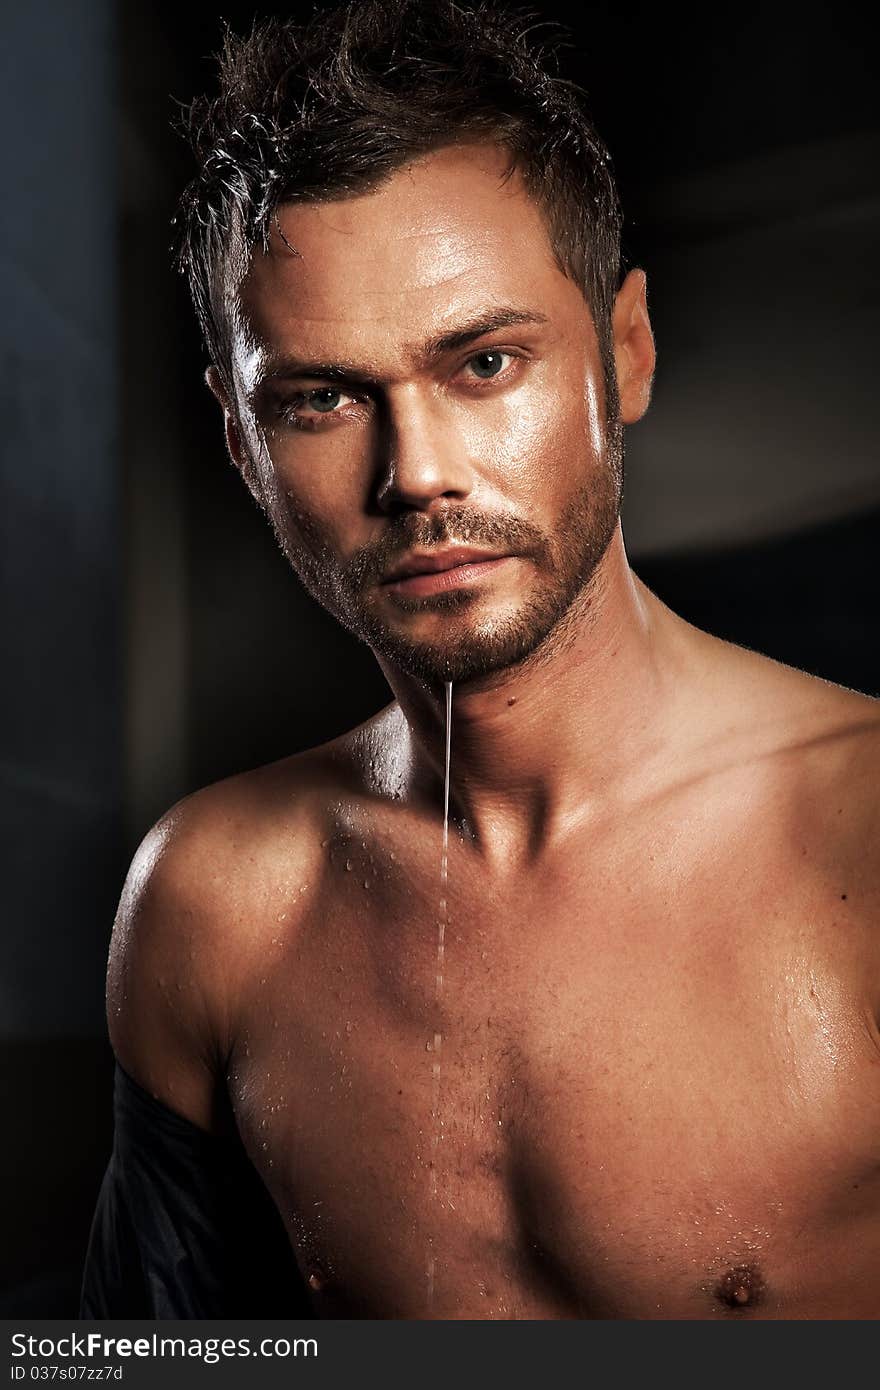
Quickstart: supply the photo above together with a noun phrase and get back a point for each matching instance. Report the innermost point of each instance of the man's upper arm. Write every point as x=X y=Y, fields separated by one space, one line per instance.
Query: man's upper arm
x=184 y=1226
x=166 y=1009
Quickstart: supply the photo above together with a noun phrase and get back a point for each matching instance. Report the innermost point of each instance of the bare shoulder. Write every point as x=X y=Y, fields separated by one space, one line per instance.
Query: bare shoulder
x=756 y=703
x=813 y=744
x=217 y=877
x=833 y=820
x=831 y=733
x=839 y=795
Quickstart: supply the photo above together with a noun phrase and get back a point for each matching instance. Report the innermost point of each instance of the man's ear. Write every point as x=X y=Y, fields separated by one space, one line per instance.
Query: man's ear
x=234 y=444
x=634 y=354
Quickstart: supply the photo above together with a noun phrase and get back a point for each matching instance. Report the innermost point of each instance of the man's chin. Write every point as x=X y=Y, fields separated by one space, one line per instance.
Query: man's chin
x=433 y=666
x=466 y=657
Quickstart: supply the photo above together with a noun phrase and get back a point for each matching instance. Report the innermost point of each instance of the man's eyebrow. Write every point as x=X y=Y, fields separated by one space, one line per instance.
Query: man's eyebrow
x=489 y=322
x=284 y=368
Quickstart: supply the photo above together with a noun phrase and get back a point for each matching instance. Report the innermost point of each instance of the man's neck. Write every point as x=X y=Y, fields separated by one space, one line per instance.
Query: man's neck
x=535 y=752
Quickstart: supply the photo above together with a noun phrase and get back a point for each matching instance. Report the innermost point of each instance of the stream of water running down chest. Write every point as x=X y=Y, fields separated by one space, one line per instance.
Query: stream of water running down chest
x=442 y=917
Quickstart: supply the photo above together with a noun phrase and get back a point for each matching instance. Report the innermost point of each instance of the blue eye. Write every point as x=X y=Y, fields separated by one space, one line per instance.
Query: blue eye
x=487 y=364
x=306 y=409
x=325 y=399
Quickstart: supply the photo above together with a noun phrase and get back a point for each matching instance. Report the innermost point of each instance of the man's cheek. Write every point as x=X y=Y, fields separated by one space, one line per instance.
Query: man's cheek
x=533 y=448
x=303 y=522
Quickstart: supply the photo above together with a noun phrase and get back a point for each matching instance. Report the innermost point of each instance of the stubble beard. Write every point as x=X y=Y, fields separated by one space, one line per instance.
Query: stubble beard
x=566 y=564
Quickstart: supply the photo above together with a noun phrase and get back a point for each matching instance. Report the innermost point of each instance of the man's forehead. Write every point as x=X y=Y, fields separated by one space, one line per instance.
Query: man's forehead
x=458 y=192
x=432 y=246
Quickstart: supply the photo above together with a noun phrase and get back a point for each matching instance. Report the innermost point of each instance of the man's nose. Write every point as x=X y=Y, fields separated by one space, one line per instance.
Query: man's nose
x=424 y=456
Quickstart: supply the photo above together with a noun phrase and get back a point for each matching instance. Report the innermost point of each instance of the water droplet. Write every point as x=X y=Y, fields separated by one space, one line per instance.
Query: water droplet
x=348 y=866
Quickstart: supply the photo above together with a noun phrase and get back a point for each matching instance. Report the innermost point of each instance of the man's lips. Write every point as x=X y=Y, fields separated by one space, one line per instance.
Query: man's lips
x=435 y=571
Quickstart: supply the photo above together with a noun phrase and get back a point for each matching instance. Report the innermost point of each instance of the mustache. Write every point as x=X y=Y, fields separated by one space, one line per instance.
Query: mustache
x=463 y=526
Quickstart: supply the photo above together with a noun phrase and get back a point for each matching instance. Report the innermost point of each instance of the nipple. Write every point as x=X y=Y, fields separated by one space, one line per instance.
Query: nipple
x=741 y=1287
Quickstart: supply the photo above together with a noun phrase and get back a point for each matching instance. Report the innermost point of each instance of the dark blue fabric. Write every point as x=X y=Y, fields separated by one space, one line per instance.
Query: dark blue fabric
x=184 y=1227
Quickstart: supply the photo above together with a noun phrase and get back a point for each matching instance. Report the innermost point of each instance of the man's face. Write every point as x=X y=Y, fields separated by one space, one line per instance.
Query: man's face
x=420 y=408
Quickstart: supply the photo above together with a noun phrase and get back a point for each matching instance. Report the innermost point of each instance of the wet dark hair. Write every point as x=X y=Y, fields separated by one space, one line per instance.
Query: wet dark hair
x=330 y=107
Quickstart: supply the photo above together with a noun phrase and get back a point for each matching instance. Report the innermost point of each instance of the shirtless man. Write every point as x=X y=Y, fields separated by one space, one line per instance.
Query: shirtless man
x=624 y=1062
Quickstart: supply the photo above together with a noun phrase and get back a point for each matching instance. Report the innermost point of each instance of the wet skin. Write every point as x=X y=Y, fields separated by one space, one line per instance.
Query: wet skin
x=659 y=1067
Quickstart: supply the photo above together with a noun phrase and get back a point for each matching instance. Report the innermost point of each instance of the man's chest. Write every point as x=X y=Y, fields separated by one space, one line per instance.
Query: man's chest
x=638 y=1116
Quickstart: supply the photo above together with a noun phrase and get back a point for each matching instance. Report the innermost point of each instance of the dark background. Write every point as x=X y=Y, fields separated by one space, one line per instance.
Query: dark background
x=154 y=639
